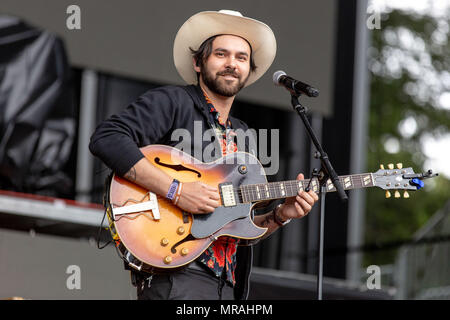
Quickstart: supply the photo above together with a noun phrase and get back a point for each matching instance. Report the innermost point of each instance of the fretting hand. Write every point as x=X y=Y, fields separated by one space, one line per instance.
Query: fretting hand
x=298 y=206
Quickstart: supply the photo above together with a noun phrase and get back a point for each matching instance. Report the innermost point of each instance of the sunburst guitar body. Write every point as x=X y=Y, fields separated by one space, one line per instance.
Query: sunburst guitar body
x=160 y=234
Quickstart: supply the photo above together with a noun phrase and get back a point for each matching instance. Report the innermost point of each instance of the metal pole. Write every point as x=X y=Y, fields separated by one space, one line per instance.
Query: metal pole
x=358 y=142
x=322 y=194
x=85 y=161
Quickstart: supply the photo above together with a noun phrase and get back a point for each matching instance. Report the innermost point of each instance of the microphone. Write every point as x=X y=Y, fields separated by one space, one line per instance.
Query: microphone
x=294 y=86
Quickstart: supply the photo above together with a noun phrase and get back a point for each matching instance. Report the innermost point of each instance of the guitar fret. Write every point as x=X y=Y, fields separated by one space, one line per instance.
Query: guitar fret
x=257 y=192
x=356 y=181
x=361 y=182
x=347 y=183
x=282 y=191
x=306 y=184
x=253 y=192
x=275 y=189
x=330 y=185
x=247 y=192
x=288 y=188
x=315 y=185
x=243 y=193
x=285 y=189
x=368 y=180
x=273 y=193
x=294 y=188
x=240 y=196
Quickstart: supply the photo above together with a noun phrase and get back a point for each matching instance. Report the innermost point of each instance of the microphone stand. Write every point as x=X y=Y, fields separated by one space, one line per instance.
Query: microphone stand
x=325 y=172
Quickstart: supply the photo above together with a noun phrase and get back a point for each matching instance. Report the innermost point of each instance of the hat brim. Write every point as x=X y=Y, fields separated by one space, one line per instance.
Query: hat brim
x=206 y=24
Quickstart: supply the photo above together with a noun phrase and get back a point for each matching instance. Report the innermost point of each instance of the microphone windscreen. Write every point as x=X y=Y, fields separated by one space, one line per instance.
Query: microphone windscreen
x=276 y=77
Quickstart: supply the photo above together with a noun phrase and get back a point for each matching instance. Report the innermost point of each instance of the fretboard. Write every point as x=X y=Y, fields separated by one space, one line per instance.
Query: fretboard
x=286 y=189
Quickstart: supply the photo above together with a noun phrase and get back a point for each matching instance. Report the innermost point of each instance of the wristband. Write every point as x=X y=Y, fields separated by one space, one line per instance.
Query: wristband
x=178 y=194
x=172 y=189
x=277 y=219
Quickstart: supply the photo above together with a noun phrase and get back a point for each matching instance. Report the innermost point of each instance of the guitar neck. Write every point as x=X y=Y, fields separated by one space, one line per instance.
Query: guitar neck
x=286 y=189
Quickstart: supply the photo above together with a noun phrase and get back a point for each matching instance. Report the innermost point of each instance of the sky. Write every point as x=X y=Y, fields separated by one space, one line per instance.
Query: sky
x=436 y=150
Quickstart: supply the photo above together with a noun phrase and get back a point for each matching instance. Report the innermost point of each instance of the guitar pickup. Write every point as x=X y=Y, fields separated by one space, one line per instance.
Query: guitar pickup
x=227 y=194
x=151 y=204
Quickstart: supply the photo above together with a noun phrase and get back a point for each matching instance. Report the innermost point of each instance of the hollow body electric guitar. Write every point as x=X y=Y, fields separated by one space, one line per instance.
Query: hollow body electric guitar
x=160 y=235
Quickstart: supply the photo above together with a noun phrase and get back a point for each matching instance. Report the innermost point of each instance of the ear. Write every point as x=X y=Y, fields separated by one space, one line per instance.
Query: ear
x=196 y=68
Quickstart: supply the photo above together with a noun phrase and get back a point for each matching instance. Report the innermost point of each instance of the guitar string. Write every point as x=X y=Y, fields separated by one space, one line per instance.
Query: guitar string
x=357 y=181
x=292 y=183
x=273 y=188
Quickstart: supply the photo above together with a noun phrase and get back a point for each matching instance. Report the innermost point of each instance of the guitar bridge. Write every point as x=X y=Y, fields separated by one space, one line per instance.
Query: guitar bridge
x=227 y=194
x=151 y=204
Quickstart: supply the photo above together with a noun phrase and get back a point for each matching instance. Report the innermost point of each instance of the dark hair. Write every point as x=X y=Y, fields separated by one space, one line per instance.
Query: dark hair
x=204 y=51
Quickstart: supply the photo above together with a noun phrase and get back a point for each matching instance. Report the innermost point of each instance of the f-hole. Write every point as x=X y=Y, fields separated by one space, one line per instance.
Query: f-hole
x=189 y=237
x=176 y=167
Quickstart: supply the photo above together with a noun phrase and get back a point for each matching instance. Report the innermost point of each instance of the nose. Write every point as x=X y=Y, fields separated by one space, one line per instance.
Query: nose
x=231 y=62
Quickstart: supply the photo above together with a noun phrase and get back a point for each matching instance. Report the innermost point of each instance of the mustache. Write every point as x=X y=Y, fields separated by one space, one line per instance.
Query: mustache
x=228 y=73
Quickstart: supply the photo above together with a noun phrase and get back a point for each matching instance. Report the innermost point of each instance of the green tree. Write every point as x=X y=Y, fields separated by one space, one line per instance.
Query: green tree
x=409 y=63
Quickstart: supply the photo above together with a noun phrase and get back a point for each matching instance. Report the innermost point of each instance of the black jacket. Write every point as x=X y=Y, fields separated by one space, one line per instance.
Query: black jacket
x=151 y=119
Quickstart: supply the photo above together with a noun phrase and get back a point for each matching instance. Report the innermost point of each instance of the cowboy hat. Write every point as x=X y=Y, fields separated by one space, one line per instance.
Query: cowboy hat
x=206 y=24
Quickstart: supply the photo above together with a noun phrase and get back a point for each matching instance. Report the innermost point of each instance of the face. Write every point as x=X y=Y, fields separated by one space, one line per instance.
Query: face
x=226 y=70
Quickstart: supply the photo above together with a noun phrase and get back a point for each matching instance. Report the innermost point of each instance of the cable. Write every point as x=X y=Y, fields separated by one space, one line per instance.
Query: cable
x=100 y=231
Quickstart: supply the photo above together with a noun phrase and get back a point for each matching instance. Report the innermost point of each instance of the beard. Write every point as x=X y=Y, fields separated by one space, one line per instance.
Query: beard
x=221 y=86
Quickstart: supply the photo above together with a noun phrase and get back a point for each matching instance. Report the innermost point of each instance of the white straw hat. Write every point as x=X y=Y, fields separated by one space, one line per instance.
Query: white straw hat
x=206 y=24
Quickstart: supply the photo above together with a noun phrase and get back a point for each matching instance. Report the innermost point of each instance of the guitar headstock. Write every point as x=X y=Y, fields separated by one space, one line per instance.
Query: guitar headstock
x=399 y=178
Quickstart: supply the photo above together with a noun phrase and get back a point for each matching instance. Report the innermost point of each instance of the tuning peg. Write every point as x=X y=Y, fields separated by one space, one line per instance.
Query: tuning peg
x=418 y=183
x=399 y=165
x=397 y=194
x=381 y=167
x=391 y=166
x=388 y=194
x=406 y=194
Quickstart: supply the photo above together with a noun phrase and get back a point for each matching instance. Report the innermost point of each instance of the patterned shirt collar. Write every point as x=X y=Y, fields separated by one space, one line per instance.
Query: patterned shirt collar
x=216 y=114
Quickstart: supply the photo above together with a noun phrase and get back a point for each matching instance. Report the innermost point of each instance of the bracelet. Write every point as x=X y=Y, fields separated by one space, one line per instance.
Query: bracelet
x=277 y=219
x=177 y=197
x=172 y=189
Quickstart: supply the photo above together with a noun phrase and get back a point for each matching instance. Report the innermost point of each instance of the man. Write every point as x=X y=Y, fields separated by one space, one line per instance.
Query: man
x=222 y=52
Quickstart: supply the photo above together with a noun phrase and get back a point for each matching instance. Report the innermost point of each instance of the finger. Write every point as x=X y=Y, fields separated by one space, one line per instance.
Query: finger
x=304 y=204
x=207 y=209
x=299 y=209
x=210 y=188
x=313 y=195
x=306 y=196
x=213 y=203
x=213 y=195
